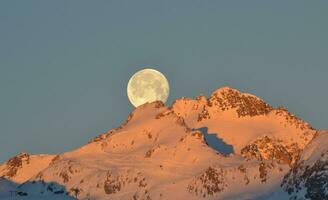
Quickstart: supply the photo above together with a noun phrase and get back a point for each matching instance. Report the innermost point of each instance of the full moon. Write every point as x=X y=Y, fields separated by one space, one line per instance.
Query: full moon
x=147 y=85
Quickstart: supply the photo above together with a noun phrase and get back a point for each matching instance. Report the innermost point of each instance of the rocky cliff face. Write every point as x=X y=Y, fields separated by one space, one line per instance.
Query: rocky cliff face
x=160 y=153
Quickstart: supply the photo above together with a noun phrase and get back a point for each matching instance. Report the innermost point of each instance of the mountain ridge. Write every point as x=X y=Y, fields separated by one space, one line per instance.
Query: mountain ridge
x=160 y=152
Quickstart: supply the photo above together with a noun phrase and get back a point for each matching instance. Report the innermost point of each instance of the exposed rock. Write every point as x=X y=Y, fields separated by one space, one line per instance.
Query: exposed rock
x=112 y=185
x=15 y=163
x=116 y=183
x=313 y=179
x=245 y=104
x=208 y=183
x=308 y=179
x=266 y=148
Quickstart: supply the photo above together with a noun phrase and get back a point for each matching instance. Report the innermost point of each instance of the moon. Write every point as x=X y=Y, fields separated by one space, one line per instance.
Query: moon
x=146 y=86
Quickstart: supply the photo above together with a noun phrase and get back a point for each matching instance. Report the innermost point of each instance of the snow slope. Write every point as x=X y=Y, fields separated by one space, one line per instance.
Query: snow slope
x=6 y=187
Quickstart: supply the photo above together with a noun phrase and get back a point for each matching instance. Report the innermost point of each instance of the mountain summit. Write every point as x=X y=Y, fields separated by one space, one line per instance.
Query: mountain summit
x=231 y=145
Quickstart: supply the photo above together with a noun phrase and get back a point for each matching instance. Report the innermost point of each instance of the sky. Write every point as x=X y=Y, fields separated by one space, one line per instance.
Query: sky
x=64 y=65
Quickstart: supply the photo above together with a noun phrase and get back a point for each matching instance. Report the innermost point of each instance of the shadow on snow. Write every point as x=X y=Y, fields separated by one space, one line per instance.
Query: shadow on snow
x=33 y=190
x=215 y=142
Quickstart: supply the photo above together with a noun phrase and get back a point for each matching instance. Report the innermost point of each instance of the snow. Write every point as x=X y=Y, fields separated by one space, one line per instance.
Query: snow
x=315 y=148
x=6 y=186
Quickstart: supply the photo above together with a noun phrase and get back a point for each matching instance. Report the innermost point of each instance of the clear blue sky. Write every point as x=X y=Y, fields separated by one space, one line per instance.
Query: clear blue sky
x=64 y=65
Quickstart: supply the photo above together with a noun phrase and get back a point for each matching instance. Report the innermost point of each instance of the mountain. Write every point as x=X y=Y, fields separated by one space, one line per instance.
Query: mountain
x=22 y=167
x=231 y=145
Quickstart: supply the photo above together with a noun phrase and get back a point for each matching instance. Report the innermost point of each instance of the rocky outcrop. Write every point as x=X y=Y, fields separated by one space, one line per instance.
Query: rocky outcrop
x=14 y=164
x=245 y=104
x=115 y=183
x=209 y=183
x=266 y=148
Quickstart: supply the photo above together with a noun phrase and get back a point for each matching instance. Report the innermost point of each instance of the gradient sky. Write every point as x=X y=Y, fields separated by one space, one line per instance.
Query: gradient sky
x=64 y=65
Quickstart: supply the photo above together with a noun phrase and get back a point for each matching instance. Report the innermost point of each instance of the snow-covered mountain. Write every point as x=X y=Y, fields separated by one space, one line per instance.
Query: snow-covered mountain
x=231 y=145
x=22 y=167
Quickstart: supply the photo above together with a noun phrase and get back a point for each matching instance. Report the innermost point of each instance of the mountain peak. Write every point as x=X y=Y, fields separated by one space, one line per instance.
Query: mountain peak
x=23 y=166
x=241 y=118
x=224 y=89
x=228 y=98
